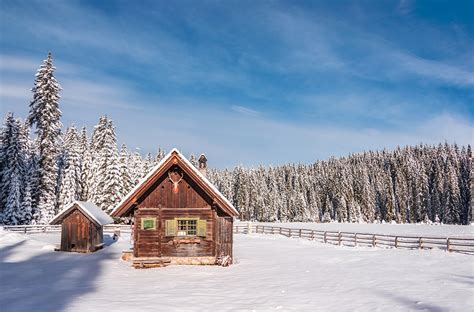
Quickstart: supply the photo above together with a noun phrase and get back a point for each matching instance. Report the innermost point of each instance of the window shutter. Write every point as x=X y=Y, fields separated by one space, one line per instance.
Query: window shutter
x=170 y=227
x=201 y=228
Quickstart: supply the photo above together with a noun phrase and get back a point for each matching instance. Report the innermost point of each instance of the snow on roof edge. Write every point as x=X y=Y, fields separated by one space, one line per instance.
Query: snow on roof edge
x=160 y=163
x=94 y=212
x=211 y=185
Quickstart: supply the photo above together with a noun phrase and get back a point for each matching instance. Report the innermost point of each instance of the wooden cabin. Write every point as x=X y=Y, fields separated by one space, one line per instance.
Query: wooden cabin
x=81 y=227
x=179 y=217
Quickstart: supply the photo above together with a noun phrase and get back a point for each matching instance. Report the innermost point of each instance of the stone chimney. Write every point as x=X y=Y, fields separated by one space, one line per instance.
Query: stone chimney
x=202 y=164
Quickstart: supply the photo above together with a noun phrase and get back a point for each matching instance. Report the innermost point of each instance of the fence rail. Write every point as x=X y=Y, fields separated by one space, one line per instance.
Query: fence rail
x=57 y=228
x=451 y=244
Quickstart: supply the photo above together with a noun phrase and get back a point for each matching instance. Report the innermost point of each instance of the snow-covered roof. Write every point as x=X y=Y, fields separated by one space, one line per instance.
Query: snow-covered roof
x=89 y=209
x=176 y=153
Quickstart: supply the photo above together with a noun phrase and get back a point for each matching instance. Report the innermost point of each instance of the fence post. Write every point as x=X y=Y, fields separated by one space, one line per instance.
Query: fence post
x=355 y=240
x=280 y=230
x=374 y=243
x=300 y=233
x=325 y=237
x=448 y=245
x=25 y=229
x=312 y=234
x=289 y=233
x=396 y=241
x=420 y=243
x=339 y=239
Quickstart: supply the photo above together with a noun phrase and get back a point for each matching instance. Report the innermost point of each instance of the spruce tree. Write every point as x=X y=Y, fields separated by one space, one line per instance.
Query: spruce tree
x=45 y=116
x=70 y=183
x=14 y=174
x=124 y=172
x=108 y=185
x=137 y=169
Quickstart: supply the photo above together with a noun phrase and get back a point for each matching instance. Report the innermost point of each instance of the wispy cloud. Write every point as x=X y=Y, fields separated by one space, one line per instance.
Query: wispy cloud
x=430 y=69
x=245 y=110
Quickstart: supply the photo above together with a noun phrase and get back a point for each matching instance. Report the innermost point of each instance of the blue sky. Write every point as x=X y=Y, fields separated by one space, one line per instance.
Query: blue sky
x=250 y=82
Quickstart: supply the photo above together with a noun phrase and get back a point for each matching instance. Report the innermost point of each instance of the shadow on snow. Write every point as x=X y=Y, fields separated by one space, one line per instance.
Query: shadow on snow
x=49 y=281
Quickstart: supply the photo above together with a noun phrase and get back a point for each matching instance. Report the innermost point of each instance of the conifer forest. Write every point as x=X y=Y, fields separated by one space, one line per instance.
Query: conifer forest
x=44 y=167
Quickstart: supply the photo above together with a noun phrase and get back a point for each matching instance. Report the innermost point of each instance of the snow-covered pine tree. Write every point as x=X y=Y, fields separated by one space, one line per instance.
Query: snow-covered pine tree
x=108 y=185
x=464 y=182
x=71 y=178
x=159 y=155
x=148 y=163
x=193 y=160
x=97 y=163
x=87 y=176
x=45 y=115
x=14 y=173
x=137 y=170
x=124 y=171
x=453 y=202
x=29 y=179
x=84 y=163
x=4 y=138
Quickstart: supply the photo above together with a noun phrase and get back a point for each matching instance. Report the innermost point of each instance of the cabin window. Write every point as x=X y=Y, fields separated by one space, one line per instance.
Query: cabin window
x=186 y=227
x=148 y=223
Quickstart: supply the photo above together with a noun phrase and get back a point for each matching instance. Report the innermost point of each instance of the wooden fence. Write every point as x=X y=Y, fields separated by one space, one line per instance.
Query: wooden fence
x=456 y=244
x=451 y=244
x=57 y=228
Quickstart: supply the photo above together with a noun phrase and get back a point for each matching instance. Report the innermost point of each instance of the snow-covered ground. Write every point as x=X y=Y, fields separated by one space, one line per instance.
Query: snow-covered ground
x=271 y=273
x=374 y=228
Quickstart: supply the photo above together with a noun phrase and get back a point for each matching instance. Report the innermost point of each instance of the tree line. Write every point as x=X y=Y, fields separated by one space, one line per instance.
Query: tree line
x=41 y=174
x=424 y=183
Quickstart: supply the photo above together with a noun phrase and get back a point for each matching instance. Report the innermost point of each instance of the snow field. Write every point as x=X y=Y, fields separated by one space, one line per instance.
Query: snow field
x=271 y=273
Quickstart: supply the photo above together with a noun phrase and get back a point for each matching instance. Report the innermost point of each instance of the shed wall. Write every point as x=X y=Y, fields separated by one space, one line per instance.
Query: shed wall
x=79 y=234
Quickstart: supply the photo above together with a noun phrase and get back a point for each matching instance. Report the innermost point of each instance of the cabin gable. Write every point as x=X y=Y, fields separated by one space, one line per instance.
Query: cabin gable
x=147 y=192
x=161 y=195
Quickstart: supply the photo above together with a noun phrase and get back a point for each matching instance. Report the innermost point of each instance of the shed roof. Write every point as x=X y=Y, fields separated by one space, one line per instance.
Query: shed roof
x=89 y=209
x=174 y=157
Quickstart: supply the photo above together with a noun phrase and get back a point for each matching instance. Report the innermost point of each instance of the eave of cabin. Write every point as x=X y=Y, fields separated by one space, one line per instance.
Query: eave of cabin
x=93 y=216
x=173 y=158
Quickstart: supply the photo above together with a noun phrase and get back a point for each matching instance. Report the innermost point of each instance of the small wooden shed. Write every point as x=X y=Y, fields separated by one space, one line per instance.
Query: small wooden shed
x=179 y=215
x=81 y=227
